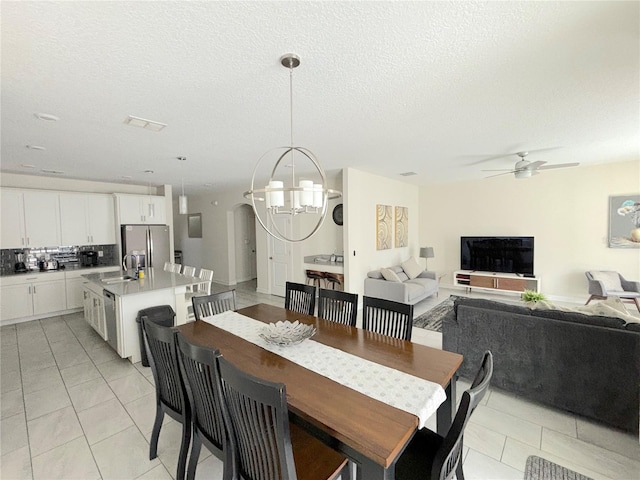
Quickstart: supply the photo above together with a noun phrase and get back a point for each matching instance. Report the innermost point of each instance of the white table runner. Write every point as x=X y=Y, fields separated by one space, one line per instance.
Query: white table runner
x=393 y=387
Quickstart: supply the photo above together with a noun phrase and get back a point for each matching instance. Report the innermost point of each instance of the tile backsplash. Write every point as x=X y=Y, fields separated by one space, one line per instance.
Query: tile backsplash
x=67 y=256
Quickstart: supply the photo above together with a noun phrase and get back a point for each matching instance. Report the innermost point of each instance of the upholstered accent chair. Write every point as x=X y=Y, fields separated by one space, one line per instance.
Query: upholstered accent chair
x=603 y=284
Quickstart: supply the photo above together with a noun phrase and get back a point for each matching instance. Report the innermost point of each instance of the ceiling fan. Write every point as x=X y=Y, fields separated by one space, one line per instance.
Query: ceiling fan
x=524 y=168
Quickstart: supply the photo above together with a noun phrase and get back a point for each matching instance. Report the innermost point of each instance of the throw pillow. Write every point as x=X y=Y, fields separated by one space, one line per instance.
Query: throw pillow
x=389 y=275
x=411 y=268
x=610 y=280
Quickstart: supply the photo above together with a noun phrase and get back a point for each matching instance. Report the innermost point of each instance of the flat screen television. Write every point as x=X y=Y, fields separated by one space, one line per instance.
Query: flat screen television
x=497 y=254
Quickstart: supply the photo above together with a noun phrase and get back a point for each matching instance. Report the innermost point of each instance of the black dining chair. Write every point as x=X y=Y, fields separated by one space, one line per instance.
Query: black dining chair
x=171 y=396
x=431 y=456
x=264 y=445
x=338 y=306
x=207 y=305
x=388 y=318
x=300 y=298
x=198 y=366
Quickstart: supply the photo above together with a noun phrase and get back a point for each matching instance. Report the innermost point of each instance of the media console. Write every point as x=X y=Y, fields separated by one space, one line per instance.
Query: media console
x=497 y=282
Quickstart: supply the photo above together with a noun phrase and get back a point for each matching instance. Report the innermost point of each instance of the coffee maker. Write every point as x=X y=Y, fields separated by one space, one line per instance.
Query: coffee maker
x=19 y=266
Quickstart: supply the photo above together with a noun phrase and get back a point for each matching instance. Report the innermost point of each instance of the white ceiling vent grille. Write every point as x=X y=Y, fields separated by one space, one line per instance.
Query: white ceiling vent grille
x=144 y=123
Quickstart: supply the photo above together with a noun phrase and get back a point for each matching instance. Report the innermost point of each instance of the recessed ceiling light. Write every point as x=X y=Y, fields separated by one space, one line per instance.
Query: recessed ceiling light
x=408 y=174
x=35 y=147
x=55 y=172
x=144 y=123
x=208 y=184
x=126 y=177
x=148 y=171
x=26 y=165
x=47 y=116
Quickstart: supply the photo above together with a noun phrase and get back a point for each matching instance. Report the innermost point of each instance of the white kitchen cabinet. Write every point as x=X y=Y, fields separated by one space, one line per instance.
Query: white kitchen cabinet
x=32 y=295
x=94 y=309
x=76 y=284
x=16 y=302
x=48 y=297
x=41 y=218
x=74 y=292
x=141 y=209
x=12 y=233
x=87 y=219
x=30 y=218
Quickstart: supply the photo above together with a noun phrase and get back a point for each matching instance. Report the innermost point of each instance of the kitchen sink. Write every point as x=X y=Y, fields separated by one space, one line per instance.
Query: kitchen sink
x=122 y=279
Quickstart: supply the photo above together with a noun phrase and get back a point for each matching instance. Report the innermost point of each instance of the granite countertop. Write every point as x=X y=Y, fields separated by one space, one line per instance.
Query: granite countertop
x=67 y=268
x=153 y=280
x=322 y=260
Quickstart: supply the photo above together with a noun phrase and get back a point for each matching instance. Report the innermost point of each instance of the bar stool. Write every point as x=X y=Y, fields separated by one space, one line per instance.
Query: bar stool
x=334 y=280
x=315 y=277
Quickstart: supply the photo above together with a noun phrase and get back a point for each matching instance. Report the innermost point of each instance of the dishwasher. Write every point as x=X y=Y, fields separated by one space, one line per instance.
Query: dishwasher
x=111 y=318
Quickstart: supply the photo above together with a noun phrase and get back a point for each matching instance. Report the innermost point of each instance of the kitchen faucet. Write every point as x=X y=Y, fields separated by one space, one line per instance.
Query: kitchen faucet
x=134 y=261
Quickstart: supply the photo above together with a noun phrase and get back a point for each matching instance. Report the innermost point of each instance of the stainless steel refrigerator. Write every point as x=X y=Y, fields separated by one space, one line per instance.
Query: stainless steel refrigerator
x=149 y=242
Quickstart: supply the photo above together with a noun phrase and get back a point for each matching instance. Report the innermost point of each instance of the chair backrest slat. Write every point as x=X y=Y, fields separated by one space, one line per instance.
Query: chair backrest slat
x=300 y=298
x=394 y=319
x=160 y=342
x=255 y=412
x=338 y=306
x=450 y=453
x=198 y=365
x=208 y=305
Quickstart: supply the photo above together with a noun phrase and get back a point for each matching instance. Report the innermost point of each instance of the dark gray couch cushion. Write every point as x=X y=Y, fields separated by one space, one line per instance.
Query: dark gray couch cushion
x=490 y=304
x=577 y=317
x=580 y=367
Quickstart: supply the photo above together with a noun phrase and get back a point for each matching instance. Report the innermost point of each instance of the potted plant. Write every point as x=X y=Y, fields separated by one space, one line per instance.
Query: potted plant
x=530 y=297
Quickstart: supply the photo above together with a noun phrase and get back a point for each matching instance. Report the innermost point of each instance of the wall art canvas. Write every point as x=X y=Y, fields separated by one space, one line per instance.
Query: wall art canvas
x=384 y=227
x=624 y=221
x=402 y=227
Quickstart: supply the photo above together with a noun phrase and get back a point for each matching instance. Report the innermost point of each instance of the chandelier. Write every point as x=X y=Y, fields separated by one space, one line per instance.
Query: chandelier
x=288 y=195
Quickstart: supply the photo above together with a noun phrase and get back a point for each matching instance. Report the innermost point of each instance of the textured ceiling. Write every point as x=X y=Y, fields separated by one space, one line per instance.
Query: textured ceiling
x=444 y=89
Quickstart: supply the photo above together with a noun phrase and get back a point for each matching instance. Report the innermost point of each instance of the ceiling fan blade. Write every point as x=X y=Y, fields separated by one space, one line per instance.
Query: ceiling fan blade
x=559 y=165
x=498 y=170
x=534 y=165
x=498 y=174
x=506 y=155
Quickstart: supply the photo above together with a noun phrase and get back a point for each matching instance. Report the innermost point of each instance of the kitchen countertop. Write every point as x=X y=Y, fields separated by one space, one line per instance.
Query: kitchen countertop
x=67 y=268
x=322 y=260
x=153 y=280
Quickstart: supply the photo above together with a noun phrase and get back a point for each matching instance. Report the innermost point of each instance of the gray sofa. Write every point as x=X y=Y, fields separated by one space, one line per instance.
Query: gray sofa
x=588 y=365
x=406 y=291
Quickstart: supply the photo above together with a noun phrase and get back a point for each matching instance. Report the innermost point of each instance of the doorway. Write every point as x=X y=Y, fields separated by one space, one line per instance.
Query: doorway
x=245 y=243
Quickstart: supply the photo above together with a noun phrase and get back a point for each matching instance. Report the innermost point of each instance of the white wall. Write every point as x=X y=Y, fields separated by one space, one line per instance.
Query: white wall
x=215 y=251
x=565 y=210
x=363 y=191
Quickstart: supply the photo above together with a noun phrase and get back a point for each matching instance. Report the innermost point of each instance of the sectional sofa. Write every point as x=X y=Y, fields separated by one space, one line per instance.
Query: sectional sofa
x=585 y=364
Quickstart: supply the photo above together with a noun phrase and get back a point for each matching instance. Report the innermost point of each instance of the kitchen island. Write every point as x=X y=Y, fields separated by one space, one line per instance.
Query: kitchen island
x=124 y=295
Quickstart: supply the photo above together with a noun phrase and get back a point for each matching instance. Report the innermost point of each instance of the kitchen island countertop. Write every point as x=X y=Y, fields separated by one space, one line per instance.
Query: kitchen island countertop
x=154 y=279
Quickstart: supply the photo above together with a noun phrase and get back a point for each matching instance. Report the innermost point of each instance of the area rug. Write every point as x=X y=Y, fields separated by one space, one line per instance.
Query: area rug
x=538 y=468
x=432 y=319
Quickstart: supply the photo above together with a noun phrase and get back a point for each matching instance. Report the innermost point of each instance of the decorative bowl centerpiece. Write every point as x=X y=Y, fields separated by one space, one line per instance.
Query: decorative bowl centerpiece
x=285 y=333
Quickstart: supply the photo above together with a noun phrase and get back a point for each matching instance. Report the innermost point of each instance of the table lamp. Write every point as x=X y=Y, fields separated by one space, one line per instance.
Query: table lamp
x=426 y=253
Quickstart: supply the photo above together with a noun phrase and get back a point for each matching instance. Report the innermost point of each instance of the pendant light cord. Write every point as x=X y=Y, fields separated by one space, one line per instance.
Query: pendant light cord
x=293 y=164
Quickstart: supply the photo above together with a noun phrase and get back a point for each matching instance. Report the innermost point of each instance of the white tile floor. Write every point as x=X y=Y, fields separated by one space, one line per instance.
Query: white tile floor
x=72 y=409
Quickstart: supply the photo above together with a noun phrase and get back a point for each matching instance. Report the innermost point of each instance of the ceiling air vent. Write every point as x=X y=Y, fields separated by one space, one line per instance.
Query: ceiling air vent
x=143 y=123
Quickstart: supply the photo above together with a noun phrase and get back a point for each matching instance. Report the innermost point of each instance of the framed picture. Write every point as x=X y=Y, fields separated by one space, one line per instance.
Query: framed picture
x=194 y=224
x=402 y=227
x=384 y=227
x=624 y=221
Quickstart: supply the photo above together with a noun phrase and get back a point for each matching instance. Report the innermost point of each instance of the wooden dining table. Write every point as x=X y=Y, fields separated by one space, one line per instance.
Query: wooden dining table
x=371 y=433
